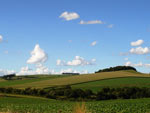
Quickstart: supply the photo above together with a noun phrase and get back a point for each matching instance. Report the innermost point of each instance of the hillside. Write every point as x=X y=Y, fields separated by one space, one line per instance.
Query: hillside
x=114 y=83
x=69 y=80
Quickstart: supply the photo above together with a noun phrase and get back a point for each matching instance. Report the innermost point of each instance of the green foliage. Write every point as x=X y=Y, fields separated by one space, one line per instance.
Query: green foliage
x=117 y=68
x=9 y=77
x=37 y=105
x=67 y=93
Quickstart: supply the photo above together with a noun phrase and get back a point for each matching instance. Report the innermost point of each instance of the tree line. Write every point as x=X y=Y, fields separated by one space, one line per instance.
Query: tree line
x=67 y=93
x=117 y=68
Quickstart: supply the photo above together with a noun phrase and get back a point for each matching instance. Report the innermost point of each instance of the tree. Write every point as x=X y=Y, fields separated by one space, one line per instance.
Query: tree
x=117 y=68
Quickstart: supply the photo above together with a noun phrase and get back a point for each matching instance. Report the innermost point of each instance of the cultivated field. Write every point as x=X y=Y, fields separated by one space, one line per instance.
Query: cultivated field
x=23 y=104
x=50 y=81
x=114 y=83
x=17 y=104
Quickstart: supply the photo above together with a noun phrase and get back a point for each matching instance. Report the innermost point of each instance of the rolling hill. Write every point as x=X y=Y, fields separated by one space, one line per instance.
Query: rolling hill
x=51 y=81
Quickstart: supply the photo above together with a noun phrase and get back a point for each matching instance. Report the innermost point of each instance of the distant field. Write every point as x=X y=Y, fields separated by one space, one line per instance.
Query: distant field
x=69 y=80
x=28 y=79
x=15 y=104
x=114 y=82
x=93 y=81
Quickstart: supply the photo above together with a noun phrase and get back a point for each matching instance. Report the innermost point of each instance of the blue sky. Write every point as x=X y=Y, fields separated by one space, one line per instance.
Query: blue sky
x=112 y=24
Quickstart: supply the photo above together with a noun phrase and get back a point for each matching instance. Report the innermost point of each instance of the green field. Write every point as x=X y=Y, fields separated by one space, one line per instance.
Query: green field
x=16 y=104
x=23 y=104
x=115 y=82
x=28 y=79
x=52 y=80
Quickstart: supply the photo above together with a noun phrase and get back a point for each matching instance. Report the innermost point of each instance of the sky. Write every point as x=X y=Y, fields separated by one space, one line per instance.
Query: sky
x=83 y=36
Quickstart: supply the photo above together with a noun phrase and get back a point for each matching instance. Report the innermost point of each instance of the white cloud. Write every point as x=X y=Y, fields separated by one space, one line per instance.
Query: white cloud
x=40 y=69
x=137 y=43
x=68 y=71
x=73 y=71
x=26 y=71
x=147 y=65
x=69 y=16
x=60 y=62
x=91 y=22
x=110 y=26
x=140 y=50
x=1 y=38
x=5 y=72
x=78 y=61
x=140 y=64
x=94 y=43
x=134 y=65
x=37 y=56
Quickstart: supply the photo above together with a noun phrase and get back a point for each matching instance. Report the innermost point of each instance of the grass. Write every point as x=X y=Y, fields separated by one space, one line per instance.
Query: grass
x=37 y=105
x=113 y=83
x=70 y=80
x=28 y=79
x=23 y=104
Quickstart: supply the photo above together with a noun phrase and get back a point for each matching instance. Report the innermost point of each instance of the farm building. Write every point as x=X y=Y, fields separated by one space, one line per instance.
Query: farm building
x=71 y=73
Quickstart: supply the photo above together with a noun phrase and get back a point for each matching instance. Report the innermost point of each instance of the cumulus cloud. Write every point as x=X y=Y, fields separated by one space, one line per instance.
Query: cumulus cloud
x=69 y=16
x=40 y=69
x=26 y=71
x=134 y=65
x=38 y=55
x=91 y=22
x=140 y=64
x=110 y=26
x=1 y=38
x=73 y=71
x=94 y=43
x=140 y=50
x=77 y=61
x=137 y=43
x=68 y=71
x=5 y=72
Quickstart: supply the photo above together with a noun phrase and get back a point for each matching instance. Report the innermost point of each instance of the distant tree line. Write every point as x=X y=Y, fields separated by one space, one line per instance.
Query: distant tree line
x=117 y=68
x=67 y=93
x=9 y=76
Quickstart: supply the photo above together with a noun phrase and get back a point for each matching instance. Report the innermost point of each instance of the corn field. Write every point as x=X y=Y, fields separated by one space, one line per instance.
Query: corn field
x=37 y=105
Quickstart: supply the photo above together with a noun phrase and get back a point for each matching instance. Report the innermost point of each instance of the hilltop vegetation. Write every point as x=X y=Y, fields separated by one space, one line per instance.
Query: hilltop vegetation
x=117 y=68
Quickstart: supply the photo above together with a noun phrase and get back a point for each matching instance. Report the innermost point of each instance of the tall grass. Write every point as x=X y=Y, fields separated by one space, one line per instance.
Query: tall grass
x=80 y=108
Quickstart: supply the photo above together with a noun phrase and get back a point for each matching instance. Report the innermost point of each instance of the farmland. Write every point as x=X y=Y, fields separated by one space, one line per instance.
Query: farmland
x=40 y=105
x=114 y=82
x=28 y=79
x=52 y=80
x=95 y=82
